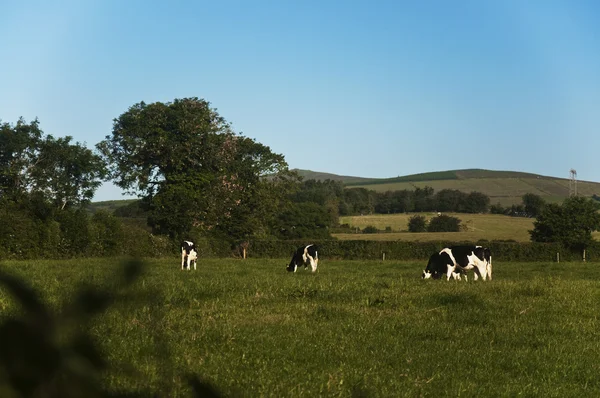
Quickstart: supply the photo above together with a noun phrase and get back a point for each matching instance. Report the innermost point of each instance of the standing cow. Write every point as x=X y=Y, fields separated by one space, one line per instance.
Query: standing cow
x=302 y=256
x=440 y=264
x=189 y=255
x=456 y=260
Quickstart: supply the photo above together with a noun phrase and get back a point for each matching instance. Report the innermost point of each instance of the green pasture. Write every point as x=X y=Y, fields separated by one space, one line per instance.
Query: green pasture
x=477 y=226
x=355 y=328
x=504 y=190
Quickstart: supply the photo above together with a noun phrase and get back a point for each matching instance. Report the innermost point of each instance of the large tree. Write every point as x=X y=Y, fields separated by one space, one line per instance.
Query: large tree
x=571 y=223
x=194 y=170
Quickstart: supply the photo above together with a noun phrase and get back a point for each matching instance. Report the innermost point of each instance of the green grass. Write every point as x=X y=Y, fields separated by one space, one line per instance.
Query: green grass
x=354 y=327
x=478 y=226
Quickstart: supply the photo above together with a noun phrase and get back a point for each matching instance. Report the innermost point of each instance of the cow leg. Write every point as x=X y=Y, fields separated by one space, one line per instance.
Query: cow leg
x=195 y=261
x=313 y=264
x=480 y=269
x=182 y=259
x=489 y=268
x=449 y=272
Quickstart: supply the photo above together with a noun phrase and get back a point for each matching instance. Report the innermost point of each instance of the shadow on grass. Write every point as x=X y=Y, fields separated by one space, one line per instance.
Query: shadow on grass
x=46 y=353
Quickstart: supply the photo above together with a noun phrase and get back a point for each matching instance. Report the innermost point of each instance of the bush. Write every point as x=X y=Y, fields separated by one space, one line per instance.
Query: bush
x=369 y=229
x=417 y=224
x=444 y=223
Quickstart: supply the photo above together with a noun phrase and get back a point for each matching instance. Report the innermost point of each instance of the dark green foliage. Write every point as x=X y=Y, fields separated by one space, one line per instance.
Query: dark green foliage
x=476 y=202
x=135 y=209
x=357 y=201
x=195 y=172
x=107 y=236
x=444 y=223
x=401 y=250
x=369 y=229
x=533 y=204
x=26 y=233
x=303 y=220
x=497 y=209
x=417 y=223
x=63 y=173
x=570 y=224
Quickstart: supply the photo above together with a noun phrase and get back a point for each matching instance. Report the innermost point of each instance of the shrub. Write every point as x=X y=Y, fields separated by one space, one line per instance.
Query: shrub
x=444 y=223
x=369 y=229
x=417 y=224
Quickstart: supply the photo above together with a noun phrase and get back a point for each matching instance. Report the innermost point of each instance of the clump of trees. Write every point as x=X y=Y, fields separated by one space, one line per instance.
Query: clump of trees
x=570 y=224
x=45 y=184
x=440 y=223
x=531 y=206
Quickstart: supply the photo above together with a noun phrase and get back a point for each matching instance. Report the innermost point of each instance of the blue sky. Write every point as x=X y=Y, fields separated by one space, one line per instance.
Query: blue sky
x=363 y=88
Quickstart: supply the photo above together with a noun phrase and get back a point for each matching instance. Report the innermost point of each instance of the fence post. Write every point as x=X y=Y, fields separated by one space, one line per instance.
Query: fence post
x=383 y=256
x=557 y=257
x=584 y=255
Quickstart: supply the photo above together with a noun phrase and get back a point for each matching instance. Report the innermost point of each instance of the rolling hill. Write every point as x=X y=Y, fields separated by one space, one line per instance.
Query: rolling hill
x=504 y=187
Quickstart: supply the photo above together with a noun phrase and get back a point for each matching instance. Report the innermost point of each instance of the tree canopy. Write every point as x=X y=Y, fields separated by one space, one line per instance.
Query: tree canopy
x=193 y=170
x=571 y=223
x=64 y=173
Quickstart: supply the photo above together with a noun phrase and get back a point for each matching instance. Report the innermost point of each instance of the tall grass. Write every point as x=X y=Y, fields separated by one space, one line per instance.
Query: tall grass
x=354 y=328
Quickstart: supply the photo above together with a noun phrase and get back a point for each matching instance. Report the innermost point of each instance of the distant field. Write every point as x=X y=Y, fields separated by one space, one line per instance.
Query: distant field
x=479 y=226
x=506 y=191
x=355 y=328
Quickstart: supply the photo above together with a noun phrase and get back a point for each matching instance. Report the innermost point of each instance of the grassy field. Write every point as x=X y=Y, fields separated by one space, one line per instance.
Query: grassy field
x=355 y=328
x=506 y=191
x=478 y=226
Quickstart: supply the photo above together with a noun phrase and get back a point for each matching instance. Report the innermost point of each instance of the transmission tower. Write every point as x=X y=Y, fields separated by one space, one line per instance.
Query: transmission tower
x=572 y=183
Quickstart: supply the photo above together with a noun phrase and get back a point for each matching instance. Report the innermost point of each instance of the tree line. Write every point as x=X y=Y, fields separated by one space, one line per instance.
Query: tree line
x=195 y=178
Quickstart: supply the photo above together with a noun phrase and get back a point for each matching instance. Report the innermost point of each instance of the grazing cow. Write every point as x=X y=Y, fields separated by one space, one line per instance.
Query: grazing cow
x=302 y=256
x=456 y=260
x=438 y=265
x=189 y=255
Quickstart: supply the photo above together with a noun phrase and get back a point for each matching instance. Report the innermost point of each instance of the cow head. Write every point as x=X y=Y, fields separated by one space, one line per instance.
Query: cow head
x=291 y=267
x=426 y=274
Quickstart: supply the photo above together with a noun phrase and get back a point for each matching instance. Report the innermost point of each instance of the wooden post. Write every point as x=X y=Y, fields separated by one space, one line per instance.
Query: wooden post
x=244 y=253
x=383 y=256
x=584 y=255
x=558 y=257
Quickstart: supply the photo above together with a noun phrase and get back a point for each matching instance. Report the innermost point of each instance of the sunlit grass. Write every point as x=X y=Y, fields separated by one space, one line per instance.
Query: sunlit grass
x=362 y=327
x=477 y=226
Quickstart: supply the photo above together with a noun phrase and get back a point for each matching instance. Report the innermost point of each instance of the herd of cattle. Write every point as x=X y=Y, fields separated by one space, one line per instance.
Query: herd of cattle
x=452 y=261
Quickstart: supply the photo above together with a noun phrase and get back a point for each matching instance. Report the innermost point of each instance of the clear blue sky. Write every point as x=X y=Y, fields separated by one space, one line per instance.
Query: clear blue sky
x=363 y=88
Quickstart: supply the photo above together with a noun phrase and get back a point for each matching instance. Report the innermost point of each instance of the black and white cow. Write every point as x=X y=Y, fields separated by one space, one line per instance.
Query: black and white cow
x=189 y=255
x=440 y=264
x=456 y=260
x=302 y=256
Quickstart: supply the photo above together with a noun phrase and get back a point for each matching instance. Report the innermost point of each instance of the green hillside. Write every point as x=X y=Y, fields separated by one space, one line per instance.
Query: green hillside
x=316 y=175
x=504 y=187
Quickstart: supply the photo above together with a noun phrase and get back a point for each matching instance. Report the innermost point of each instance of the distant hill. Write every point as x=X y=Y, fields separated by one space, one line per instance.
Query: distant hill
x=504 y=187
x=317 y=175
x=108 y=205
